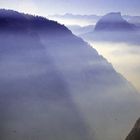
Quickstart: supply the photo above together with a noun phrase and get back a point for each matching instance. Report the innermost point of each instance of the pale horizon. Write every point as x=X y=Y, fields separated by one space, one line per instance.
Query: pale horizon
x=88 y=7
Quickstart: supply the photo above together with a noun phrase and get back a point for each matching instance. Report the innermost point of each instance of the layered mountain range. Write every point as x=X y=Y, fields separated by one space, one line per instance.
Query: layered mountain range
x=114 y=28
x=54 y=86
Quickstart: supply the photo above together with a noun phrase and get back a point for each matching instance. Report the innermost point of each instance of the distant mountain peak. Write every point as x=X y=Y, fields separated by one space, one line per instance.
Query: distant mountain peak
x=113 y=21
x=113 y=16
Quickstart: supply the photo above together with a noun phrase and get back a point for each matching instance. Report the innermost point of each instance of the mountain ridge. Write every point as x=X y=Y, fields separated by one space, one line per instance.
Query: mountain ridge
x=27 y=21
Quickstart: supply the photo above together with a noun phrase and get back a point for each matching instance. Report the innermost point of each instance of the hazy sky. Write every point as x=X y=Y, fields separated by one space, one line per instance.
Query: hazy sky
x=47 y=7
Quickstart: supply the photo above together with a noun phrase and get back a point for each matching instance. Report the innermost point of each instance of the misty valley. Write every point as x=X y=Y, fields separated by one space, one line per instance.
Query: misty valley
x=58 y=84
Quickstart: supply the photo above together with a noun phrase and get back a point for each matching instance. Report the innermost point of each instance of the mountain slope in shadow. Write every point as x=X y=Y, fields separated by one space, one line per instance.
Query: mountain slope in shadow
x=34 y=101
x=55 y=86
x=135 y=132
